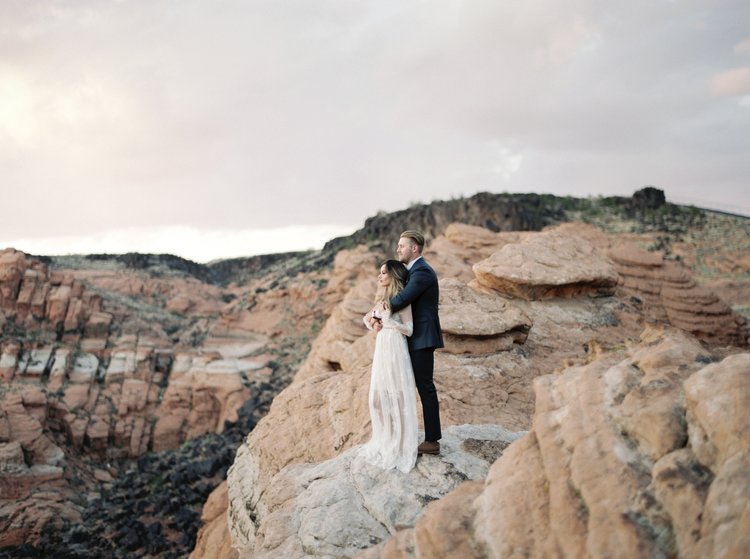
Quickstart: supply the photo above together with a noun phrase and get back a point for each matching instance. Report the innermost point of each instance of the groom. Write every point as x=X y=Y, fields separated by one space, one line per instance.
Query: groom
x=421 y=292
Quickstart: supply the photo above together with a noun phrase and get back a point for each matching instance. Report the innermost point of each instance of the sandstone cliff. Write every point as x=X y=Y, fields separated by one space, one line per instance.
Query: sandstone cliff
x=522 y=312
x=640 y=453
x=128 y=381
x=101 y=363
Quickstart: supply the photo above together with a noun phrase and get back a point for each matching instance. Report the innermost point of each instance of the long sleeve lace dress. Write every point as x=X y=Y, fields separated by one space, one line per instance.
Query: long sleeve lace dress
x=392 y=398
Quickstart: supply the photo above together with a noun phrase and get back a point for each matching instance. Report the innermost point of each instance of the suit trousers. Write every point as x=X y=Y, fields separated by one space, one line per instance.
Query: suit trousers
x=423 y=363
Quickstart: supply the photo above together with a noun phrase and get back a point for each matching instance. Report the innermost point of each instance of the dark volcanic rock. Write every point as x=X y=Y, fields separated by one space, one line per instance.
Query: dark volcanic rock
x=496 y=212
x=649 y=198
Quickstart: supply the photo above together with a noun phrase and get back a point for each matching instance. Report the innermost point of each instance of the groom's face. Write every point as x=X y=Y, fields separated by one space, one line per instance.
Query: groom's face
x=405 y=250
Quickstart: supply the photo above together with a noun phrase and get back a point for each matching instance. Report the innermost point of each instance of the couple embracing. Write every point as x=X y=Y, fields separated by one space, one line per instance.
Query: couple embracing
x=405 y=318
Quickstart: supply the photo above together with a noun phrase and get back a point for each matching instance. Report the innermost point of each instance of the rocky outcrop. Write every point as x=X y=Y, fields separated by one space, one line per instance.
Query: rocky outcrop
x=666 y=287
x=670 y=295
x=136 y=409
x=476 y=323
x=493 y=212
x=547 y=265
x=53 y=304
x=483 y=374
x=84 y=373
x=111 y=357
x=648 y=198
x=497 y=343
x=214 y=539
x=343 y=505
x=462 y=245
x=637 y=454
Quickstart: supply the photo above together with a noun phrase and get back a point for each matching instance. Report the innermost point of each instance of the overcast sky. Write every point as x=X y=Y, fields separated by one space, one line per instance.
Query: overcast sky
x=219 y=128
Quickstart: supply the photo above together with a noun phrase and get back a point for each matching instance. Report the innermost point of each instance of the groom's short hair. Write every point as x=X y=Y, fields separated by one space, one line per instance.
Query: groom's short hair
x=416 y=237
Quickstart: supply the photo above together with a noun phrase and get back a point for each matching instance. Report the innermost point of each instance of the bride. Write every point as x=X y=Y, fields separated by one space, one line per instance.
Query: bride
x=392 y=399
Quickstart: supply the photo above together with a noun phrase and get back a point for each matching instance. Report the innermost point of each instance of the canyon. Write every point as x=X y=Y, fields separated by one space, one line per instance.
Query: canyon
x=594 y=369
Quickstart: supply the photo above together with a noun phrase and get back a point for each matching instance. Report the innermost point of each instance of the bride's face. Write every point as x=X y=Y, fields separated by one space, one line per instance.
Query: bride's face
x=384 y=279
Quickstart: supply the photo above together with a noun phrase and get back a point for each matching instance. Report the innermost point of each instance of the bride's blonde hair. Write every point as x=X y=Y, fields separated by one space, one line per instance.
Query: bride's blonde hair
x=399 y=274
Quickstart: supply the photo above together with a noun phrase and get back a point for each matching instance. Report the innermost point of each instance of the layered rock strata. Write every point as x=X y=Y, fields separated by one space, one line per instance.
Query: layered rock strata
x=484 y=374
x=670 y=295
x=503 y=329
x=55 y=303
x=82 y=373
x=643 y=453
x=547 y=265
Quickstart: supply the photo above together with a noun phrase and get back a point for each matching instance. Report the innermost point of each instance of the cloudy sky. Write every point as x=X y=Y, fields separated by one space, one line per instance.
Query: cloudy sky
x=219 y=128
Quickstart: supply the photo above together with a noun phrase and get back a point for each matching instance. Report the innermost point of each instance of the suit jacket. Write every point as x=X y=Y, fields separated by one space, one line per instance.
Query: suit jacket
x=422 y=293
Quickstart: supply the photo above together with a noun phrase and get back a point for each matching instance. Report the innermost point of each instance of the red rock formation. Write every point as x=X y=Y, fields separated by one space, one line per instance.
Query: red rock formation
x=117 y=381
x=546 y=299
x=638 y=455
x=69 y=379
x=213 y=539
x=671 y=296
x=547 y=265
x=52 y=304
x=13 y=266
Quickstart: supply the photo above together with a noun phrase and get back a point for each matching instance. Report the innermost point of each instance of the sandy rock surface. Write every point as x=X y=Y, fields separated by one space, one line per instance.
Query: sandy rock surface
x=562 y=312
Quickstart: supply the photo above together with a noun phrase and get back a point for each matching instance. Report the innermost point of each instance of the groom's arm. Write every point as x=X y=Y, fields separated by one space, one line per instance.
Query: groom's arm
x=419 y=280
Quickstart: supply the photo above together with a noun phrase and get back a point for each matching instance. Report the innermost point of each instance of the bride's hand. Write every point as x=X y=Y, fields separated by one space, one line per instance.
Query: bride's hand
x=385 y=312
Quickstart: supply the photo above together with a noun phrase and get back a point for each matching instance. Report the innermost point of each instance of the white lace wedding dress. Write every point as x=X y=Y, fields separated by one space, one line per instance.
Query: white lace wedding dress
x=392 y=399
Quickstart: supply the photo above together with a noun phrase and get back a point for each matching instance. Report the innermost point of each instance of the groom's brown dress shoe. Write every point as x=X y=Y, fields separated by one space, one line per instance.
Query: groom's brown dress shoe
x=428 y=447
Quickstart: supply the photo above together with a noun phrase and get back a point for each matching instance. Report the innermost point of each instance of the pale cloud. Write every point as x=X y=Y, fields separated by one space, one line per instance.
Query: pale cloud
x=18 y=122
x=508 y=163
x=731 y=82
x=240 y=115
x=199 y=245
x=579 y=38
x=743 y=46
x=66 y=121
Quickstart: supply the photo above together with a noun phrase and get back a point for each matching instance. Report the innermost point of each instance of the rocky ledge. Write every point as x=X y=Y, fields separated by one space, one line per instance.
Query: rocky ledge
x=105 y=371
x=110 y=366
x=640 y=453
x=603 y=388
x=341 y=506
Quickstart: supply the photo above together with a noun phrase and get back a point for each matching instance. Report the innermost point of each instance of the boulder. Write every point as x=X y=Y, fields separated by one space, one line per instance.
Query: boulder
x=344 y=505
x=547 y=265
x=474 y=322
x=9 y=360
x=13 y=266
x=213 y=540
x=453 y=254
x=57 y=305
x=639 y=453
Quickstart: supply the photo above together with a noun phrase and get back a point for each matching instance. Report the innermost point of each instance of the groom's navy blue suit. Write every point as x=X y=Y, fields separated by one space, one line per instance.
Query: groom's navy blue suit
x=422 y=293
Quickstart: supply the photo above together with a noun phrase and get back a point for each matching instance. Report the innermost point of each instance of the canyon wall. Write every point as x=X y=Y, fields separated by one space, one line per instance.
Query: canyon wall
x=522 y=314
